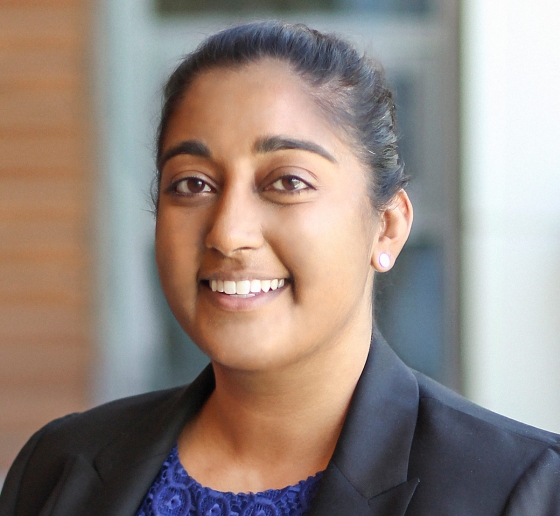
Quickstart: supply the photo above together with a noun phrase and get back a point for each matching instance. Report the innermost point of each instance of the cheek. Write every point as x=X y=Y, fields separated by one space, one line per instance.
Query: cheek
x=177 y=245
x=327 y=247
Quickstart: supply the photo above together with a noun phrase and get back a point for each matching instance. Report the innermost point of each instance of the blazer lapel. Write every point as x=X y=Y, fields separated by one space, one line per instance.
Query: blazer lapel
x=369 y=468
x=395 y=501
x=128 y=466
x=123 y=471
x=67 y=499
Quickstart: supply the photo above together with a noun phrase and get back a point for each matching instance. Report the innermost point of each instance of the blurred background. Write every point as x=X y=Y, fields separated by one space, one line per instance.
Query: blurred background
x=474 y=300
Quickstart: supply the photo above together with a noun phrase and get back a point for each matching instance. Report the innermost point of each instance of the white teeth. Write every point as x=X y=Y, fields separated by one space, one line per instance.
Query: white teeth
x=229 y=287
x=243 y=287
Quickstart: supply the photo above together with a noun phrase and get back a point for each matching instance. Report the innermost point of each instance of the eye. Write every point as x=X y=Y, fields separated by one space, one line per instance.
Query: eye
x=192 y=185
x=288 y=184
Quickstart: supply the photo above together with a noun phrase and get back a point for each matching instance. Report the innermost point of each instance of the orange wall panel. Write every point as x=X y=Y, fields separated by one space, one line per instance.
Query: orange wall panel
x=46 y=304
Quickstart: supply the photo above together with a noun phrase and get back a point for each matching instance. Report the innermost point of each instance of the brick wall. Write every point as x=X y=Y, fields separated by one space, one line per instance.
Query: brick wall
x=45 y=215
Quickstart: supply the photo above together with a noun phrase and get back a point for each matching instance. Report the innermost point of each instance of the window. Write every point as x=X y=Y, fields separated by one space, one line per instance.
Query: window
x=177 y=7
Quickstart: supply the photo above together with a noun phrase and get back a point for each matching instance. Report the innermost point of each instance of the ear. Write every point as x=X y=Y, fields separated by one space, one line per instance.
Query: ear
x=392 y=233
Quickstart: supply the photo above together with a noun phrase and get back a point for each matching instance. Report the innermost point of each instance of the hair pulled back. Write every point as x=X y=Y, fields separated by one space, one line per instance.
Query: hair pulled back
x=350 y=88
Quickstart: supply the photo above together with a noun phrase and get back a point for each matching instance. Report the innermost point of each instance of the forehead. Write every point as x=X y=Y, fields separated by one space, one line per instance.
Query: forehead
x=265 y=76
x=265 y=97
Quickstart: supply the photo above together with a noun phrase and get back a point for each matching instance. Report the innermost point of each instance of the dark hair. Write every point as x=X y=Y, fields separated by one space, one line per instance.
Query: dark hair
x=349 y=87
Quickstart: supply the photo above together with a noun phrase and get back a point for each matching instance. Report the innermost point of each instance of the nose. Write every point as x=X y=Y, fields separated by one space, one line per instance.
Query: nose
x=236 y=224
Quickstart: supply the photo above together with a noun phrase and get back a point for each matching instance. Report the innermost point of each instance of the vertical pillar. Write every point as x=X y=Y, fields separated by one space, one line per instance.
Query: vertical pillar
x=511 y=199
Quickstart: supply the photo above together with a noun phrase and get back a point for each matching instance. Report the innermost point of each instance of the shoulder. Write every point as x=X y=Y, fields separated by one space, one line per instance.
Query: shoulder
x=41 y=462
x=86 y=432
x=467 y=451
x=101 y=449
x=440 y=404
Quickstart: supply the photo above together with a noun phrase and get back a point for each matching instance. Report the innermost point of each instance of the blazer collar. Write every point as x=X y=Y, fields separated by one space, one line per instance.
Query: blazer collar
x=369 y=468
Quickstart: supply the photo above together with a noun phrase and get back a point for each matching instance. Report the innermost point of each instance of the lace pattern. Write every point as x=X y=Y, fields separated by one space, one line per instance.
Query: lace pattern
x=175 y=493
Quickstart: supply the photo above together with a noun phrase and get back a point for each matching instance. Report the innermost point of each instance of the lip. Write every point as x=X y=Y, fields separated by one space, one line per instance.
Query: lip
x=238 y=302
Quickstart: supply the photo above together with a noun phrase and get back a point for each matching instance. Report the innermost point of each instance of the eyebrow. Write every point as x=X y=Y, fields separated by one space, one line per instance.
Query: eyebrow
x=262 y=145
x=275 y=143
x=191 y=147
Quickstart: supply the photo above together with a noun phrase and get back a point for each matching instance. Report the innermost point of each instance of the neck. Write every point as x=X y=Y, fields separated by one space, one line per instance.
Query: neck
x=290 y=417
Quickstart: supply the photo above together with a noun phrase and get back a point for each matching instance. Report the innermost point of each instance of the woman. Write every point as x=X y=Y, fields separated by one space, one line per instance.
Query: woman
x=279 y=196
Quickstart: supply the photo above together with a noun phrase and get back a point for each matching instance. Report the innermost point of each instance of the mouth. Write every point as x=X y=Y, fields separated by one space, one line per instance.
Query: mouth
x=246 y=287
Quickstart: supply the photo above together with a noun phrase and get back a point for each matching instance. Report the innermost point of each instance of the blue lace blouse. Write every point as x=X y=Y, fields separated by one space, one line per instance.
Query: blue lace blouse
x=175 y=493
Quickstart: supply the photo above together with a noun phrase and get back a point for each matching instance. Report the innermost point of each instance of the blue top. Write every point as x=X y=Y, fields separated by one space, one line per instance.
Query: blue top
x=175 y=493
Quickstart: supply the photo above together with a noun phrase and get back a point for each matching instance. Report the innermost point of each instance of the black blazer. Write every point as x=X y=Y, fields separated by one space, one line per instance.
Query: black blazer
x=408 y=446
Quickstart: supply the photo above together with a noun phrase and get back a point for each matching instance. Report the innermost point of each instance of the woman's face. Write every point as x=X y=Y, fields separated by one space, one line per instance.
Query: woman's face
x=258 y=191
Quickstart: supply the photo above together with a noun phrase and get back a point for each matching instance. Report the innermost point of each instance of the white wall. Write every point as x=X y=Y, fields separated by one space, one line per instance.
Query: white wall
x=511 y=199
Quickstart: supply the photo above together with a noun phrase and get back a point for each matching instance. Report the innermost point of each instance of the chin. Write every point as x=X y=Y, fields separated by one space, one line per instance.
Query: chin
x=248 y=350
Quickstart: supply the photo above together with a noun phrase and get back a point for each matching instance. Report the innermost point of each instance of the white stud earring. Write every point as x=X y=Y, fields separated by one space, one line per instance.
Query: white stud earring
x=384 y=260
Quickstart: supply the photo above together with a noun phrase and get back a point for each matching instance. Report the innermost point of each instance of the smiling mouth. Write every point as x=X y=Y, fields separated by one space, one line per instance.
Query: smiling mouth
x=245 y=287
